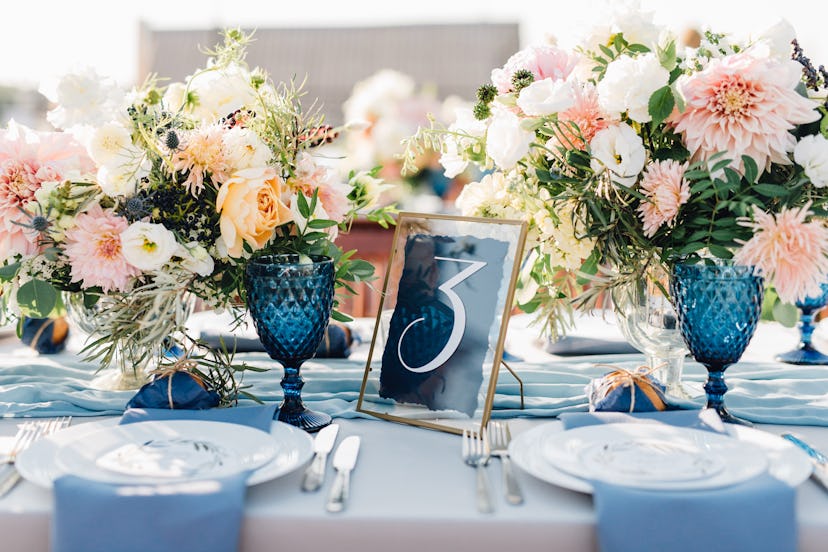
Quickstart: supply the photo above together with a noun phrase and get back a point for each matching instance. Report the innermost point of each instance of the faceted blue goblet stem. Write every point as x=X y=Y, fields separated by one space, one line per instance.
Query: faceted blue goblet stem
x=715 y=388
x=806 y=353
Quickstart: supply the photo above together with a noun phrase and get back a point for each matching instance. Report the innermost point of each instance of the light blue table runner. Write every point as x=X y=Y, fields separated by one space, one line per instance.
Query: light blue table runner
x=761 y=392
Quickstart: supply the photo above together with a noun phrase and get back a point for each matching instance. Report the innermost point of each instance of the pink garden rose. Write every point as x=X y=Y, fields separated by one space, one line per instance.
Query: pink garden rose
x=544 y=61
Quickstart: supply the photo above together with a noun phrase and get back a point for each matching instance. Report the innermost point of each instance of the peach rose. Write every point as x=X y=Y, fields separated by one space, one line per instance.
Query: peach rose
x=250 y=206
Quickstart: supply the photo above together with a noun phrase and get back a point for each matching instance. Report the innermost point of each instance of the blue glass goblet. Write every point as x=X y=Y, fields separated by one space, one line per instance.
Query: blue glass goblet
x=290 y=303
x=718 y=308
x=806 y=353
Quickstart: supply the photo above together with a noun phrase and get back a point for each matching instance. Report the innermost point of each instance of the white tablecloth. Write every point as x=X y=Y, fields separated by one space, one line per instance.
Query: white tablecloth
x=411 y=492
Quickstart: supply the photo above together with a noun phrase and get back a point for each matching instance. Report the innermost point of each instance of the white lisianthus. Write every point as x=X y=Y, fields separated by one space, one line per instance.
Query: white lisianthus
x=547 y=96
x=110 y=143
x=148 y=246
x=244 y=149
x=811 y=153
x=619 y=150
x=195 y=258
x=367 y=189
x=175 y=96
x=221 y=92
x=506 y=140
x=778 y=38
x=629 y=83
x=453 y=158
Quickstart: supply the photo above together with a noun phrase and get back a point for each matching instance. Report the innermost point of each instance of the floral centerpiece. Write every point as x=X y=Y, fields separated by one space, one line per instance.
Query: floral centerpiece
x=146 y=195
x=628 y=151
x=389 y=108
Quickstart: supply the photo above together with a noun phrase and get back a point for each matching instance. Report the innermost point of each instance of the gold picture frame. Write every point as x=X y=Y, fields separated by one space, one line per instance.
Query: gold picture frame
x=442 y=320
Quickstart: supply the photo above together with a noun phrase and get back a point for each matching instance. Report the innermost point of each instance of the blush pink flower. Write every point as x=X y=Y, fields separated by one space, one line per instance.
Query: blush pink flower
x=791 y=253
x=544 y=61
x=332 y=193
x=93 y=247
x=27 y=160
x=665 y=187
x=202 y=153
x=587 y=115
x=743 y=104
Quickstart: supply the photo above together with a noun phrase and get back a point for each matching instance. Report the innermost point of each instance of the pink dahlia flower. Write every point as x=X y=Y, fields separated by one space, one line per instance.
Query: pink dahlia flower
x=667 y=190
x=743 y=105
x=93 y=247
x=544 y=61
x=790 y=252
x=27 y=160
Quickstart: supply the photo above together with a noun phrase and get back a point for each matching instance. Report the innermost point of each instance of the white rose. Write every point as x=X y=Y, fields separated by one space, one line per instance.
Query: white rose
x=110 y=142
x=506 y=141
x=545 y=97
x=811 y=153
x=629 y=83
x=195 y=258
x=148 y=246
x=619 y=150
x=221 y=92
x=245 y=149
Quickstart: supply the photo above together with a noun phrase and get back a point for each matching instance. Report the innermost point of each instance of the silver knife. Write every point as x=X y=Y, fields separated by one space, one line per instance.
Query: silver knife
x=322 y=445
x=820 y=461
x=344 y=461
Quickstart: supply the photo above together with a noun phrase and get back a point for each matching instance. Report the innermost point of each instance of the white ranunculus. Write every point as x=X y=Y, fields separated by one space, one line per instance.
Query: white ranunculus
x=245 y=149
x=629 y=83
x=619 y=150
x=110 y=144
x=811 y=153
x=221 y=92
x=506 y=141
x=195 y=258
x=148 y=246
x=545 y=97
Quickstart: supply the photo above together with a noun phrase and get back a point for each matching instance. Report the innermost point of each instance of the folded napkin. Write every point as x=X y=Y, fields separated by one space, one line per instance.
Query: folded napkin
x=336 y=343
x=573 y=345
x=758 y=515
x=197 y=516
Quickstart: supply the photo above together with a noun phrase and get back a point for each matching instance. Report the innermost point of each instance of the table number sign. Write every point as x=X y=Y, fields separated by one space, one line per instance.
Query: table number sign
x=438 y=340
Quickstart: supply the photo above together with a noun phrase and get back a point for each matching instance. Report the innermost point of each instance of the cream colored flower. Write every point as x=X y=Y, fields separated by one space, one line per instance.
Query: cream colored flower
x=250 y=208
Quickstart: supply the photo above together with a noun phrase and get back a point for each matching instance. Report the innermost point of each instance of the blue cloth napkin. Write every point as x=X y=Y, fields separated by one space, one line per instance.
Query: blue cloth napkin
x=197 y=516
x=758 y=515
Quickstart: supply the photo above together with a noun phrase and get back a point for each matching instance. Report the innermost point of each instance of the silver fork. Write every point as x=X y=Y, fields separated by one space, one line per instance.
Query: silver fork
x=499 y=437
x=476 y=454
x=28 y=433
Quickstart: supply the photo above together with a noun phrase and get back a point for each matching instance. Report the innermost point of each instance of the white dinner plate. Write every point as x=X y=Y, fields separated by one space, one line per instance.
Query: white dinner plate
x=159 y=451
x=784 y=461
x=39 y=463
x=653 y=456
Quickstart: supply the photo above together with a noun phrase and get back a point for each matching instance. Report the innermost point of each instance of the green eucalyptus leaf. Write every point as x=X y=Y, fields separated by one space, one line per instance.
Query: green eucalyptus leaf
x=37 y=298
x=8 y=272
x=661 y=104
x=785 y=313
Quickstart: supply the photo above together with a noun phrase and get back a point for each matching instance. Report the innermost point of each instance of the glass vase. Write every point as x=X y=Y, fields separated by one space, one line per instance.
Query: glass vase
x=648 y=321
x=290 y=302
x=131 y=361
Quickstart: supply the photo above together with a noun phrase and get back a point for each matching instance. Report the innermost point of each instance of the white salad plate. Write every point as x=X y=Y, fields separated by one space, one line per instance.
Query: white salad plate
x=654 y=456
x=163 y=451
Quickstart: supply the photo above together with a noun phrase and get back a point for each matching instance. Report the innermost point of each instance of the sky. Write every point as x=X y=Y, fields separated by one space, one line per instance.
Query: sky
x=44 y=38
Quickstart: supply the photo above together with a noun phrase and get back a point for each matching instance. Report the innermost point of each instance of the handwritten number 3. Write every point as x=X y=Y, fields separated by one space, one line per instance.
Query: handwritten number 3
x=459 y=310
